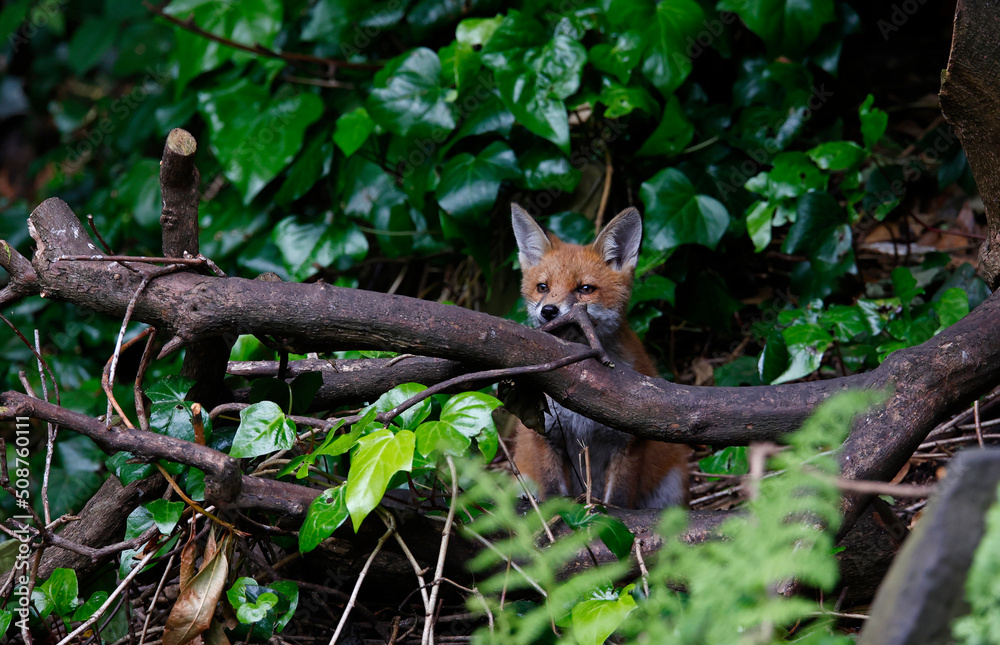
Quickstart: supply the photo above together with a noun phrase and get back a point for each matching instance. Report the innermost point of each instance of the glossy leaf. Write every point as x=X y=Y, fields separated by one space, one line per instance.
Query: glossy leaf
x=837 y=155
x=676 y=214
x=412 y=417
x=165 y=514
x=470 y=184
x=408 y=98
x=806 y=345
x=873 y=122
x=470 y=412
x=786 y=26
x=352 y=130
x=672 y=134
x=379 y=456
x=595 y=620
x=326 y=513
x=254 y=135
x=439 y=436
x=263 y=429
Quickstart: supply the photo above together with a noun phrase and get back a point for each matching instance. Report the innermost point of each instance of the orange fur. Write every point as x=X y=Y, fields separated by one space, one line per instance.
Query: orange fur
x=625 y=470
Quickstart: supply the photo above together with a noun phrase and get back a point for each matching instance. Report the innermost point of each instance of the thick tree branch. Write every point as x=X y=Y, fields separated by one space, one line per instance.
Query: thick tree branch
x=970 y=101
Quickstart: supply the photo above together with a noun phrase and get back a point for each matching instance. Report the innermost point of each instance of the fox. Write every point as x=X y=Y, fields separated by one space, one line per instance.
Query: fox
x=625 y=471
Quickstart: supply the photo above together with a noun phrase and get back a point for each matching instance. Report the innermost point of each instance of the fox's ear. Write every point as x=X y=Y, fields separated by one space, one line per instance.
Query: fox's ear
x=532 y=243
x=619 y=242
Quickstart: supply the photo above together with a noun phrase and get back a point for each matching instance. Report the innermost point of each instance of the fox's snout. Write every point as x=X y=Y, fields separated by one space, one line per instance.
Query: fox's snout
x=549 y=313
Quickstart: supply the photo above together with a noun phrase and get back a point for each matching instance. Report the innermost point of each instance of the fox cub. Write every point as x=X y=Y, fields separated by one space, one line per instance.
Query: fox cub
x=624 y=470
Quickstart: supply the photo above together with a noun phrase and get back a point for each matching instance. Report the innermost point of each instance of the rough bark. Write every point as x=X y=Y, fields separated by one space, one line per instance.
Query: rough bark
x=970 y=101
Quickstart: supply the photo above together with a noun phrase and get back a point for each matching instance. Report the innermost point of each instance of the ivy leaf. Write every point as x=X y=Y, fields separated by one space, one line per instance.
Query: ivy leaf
x=165 y=514
x=352 y=130
x=673 y=133
x=676 y=214
x=380 y=455
x=620 y=58
x=818 y=217
x=952 y=306
x=305 y=247
x=806 y=345
x=837 y=155
x=254 y=135
x=759 y=221
x=62 y=588
x=441 y=436
x=470 y=412
x=325 y=515
x=904 y=285
x=525 y=94
x=731 y=460
x=786 y=26
x=873 y=122
x=263 y=429
x=407 y=97
x=674 y=21
x=621 y=100
x=544 y=168
x=595 y=620
x=470 y=184
x=248 y=21
x=412 y=417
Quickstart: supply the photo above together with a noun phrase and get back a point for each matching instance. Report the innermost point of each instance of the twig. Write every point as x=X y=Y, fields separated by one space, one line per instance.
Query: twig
x=156 y=596
x=428 y=636
x=357 y=585
x=108 y=374
x=979 y=427
x=142 y=415
x=97 y=234
x=528 y=494
x=642 y=566
x=577 y=315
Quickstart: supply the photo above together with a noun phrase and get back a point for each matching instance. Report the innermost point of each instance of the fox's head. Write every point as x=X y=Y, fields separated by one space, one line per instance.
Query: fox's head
x=556 y=274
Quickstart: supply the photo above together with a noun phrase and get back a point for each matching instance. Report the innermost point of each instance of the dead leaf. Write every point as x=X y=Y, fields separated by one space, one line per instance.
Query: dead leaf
x=702 y=371
x=192 y=613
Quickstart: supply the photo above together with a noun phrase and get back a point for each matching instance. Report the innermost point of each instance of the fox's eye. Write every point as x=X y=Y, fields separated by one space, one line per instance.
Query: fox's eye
x=542 y=287
x=586 y=289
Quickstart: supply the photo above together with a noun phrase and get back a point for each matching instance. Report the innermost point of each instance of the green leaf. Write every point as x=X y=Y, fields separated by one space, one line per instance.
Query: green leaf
x=904 y=285
x=89 y=44
x=759 y=219
x=470 y=412
x=439 y=436
x=525 y=93
x=615 y=535
x=87 y=609
x=673 y=133
x=621 y=101
x=794 y=174
x=305 y=247
x=741 y=371
x=263 y=429
x=352 y=130
x=654 y=287
x=165 y=514
x=952 y=306
x=407 y=97
x=412 y=417
x=676 y=214
x=470 y=184
x=806 y=345
x=873 y=122
x=256 y=135
x=325 y=515
x=595 y=620
x=380 y=455
x=731 y=460
x=248 y=21
x=818 y=218
x=837 y=155
x=620 y=58
x=5 y=616
x=545 y=168
x=786 y=26
x=314 y=163
x=673 y=22
x=62 y=588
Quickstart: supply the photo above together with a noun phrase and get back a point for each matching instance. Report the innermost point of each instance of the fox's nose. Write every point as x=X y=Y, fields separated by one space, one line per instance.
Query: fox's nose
x=549 y=312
